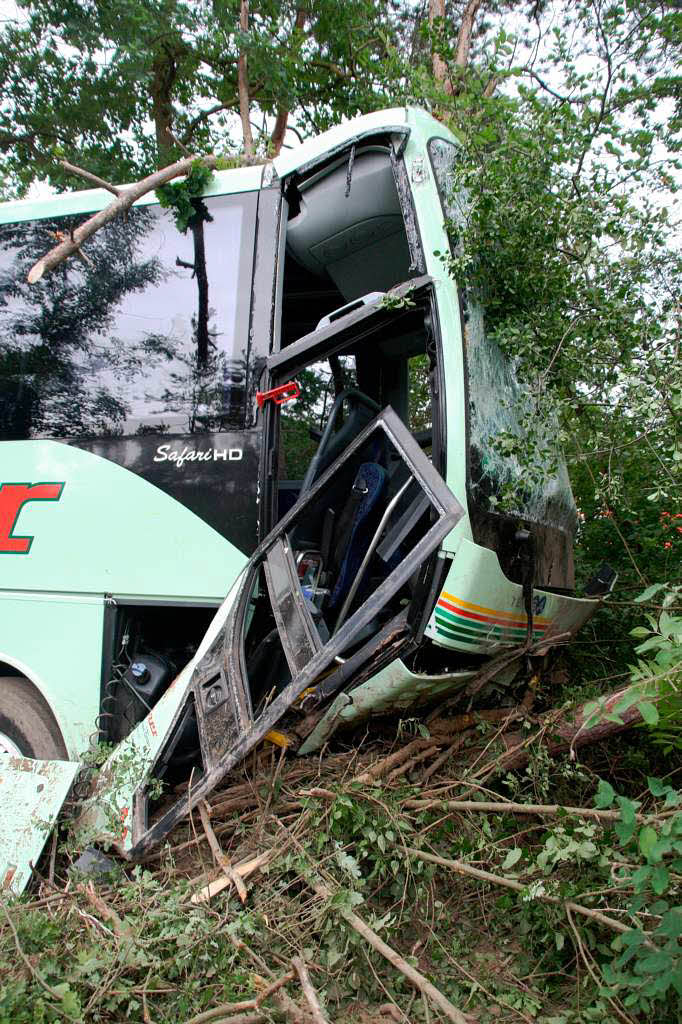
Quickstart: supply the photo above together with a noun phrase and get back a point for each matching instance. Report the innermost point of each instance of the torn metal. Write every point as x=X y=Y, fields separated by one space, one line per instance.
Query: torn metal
x=31 y=796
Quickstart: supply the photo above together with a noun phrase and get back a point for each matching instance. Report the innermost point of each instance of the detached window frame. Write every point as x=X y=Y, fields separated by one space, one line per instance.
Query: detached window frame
x=218 y=689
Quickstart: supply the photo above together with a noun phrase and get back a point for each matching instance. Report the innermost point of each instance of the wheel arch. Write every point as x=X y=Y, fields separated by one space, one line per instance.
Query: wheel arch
x=13 y=667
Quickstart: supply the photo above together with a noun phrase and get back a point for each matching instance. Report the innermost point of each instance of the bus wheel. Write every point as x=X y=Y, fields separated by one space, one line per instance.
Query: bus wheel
x=27 y=726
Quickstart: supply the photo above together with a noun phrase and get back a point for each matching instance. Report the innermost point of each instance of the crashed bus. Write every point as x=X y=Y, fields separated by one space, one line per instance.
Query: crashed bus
x=291 y=403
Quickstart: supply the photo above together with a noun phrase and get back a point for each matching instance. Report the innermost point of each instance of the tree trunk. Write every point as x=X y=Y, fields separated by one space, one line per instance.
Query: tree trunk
x=564 y=733
x=440 y=68
x=165 y=72
x=243 y=83
x=279 y=131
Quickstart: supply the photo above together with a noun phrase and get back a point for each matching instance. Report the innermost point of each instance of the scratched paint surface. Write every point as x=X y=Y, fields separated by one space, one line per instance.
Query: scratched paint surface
x=31 y=797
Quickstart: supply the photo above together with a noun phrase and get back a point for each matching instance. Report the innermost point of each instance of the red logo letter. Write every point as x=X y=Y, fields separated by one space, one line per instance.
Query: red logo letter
x=12 y=499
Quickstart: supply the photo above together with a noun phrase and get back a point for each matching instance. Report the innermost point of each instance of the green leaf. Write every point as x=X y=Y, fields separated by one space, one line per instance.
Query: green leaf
x=659 y=879
x=648 y=837
x=624 y=831
x=605 y=794
x=655 y=962
x=512 y=858
x=650 y=592
x=649 y=712
x=657 y=787
x=641 y=877
x=671 y=924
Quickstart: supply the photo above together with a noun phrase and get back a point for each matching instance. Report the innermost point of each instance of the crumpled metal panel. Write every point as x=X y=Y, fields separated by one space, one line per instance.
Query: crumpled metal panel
x=31 y=797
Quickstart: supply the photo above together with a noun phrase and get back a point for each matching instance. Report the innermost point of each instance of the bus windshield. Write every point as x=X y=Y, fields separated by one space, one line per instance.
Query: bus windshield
x=501 y=414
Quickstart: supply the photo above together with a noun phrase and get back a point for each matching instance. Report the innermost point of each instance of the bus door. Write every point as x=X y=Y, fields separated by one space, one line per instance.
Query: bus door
x=396 y=508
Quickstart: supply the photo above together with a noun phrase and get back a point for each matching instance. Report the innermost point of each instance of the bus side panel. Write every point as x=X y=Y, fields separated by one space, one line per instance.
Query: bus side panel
x=73 y=522
x=56 y=642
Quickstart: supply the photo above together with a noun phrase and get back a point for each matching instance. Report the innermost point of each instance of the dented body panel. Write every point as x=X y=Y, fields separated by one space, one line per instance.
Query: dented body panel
x=31 y=797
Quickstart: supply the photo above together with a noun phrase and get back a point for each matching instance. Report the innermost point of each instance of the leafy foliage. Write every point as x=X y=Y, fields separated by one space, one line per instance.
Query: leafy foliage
x=181 y=196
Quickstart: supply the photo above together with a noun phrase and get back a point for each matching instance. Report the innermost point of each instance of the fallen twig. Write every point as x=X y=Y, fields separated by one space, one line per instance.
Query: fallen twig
x=414 y=976
x=242 y=870
x=122 y=930
x=225 y=1010
x=386 y=764
x=446 y=755
x=221 y=860
x=510 y=883
x=507 y=807
x=308 y=991
x=423 y=755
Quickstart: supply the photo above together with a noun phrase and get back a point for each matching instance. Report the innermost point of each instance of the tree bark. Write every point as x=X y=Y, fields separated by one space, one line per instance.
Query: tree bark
x=440 y=68
x=279 y=131
x=243 y=83
x=465 y=32
x=560 y=734
x=164 y=75
x=572 y=731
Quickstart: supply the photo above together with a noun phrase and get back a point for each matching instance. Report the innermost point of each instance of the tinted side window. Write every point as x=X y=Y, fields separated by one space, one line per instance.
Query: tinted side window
x=148 y=334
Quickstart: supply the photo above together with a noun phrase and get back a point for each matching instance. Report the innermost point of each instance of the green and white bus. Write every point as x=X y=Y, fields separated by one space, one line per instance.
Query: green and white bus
x=292 y=402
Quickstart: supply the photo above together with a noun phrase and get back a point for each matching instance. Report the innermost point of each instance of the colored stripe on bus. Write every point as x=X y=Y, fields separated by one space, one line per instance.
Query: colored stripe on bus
x=481 y=609
x=483 y=627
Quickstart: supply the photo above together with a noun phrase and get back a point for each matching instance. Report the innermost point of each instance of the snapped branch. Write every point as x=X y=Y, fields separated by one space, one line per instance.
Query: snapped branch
x=120 y=205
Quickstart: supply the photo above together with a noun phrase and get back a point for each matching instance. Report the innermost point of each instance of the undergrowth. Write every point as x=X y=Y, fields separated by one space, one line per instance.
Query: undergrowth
x=133 y=946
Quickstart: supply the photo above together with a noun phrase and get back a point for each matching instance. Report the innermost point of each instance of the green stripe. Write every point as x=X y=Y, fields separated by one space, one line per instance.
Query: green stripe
x=458 y=627
x=472 y=638
x=471 y=624
x=513 y=631
x=452 y=634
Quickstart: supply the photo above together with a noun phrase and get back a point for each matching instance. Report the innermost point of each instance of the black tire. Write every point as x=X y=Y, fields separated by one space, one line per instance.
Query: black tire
x=26 y=720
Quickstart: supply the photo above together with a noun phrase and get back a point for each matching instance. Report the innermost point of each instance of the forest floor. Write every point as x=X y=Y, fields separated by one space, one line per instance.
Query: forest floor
x=458 y=872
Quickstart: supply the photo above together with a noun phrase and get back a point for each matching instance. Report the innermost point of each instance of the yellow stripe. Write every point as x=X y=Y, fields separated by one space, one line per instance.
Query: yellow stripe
x=490 y=611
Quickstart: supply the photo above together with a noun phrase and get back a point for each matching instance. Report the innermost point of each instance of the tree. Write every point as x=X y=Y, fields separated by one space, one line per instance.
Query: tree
x=126 y=87
x=569 y=164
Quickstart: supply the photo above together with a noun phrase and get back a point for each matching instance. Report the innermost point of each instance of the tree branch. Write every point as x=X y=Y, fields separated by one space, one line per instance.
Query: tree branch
x=279 y=131
x=509 y=883
x=122 y=203
x=465 y=31
x=89 y=176
x=203 y=116
x=243 y=83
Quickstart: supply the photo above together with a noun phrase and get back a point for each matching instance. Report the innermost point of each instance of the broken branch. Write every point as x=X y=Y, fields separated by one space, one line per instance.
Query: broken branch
x=221 y=860
x=508 y=807
x=246 y=1004
x=510 y=883
x=242 y=870
x=89 y=176
x=414 y=976
x=308 y=991
x=120 y=205
x=380 y=768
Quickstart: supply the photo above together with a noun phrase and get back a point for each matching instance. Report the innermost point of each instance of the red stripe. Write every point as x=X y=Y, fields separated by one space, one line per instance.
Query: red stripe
x=510 y=623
